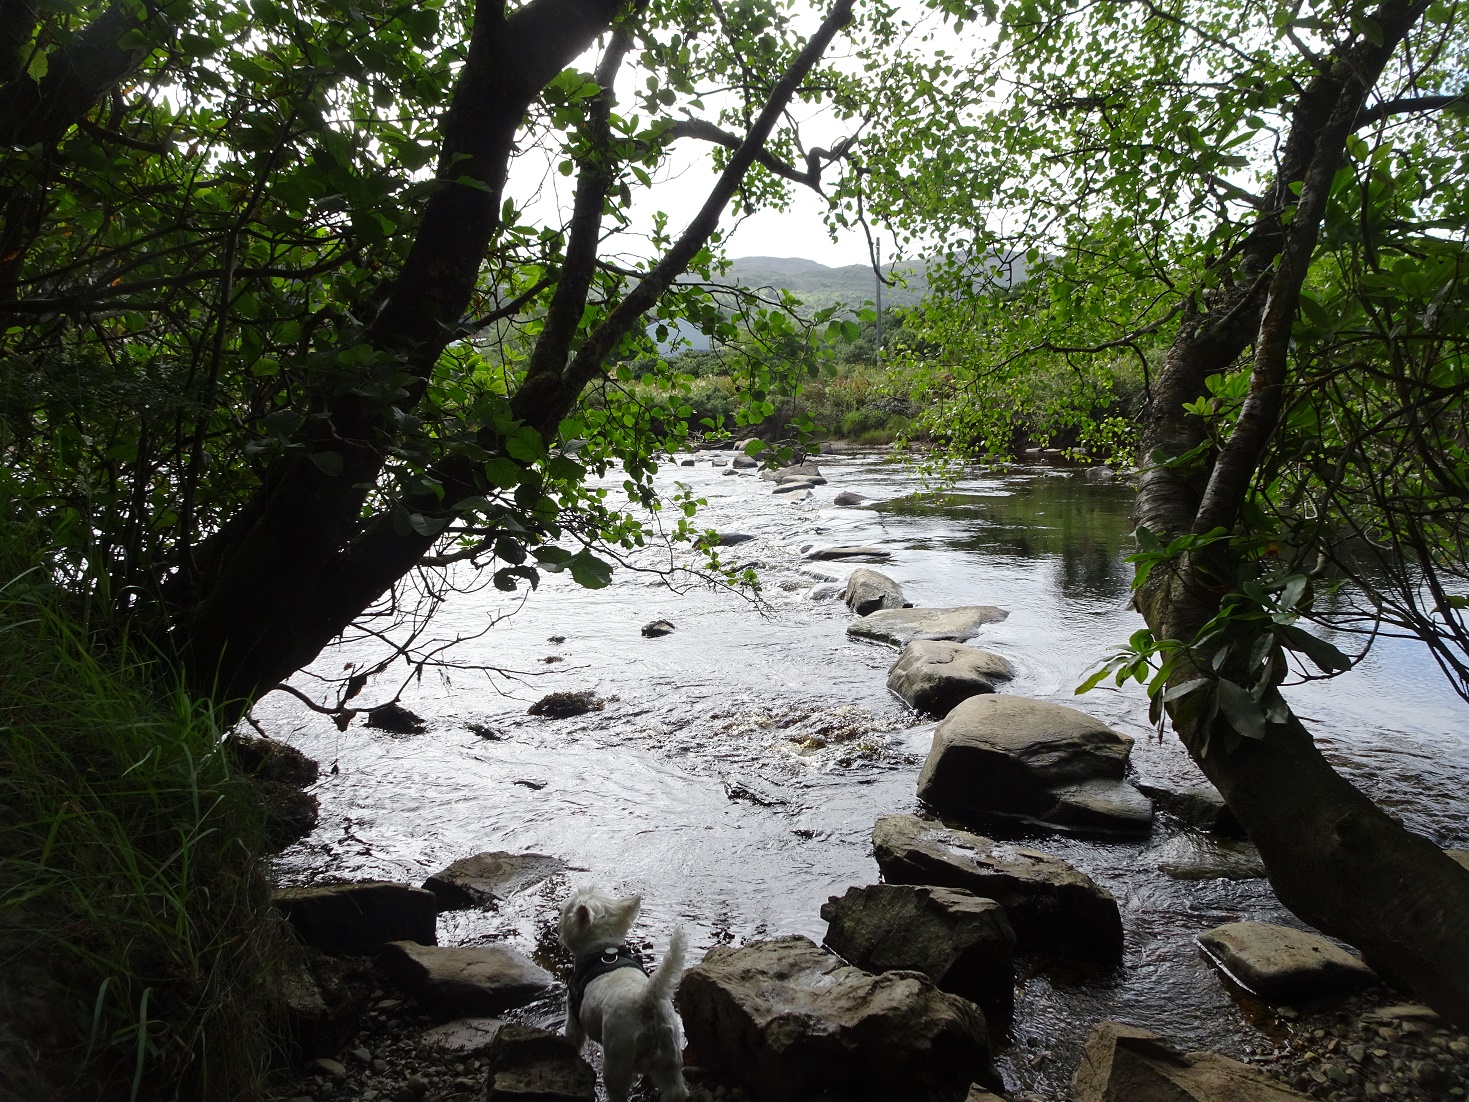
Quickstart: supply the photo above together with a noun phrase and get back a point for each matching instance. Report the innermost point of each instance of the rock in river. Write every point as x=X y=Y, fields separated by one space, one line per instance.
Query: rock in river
x=1123 y=1063
x=934 y=675
x=1006 y=755
x=474 y=982
x=1050 y=905
x=847 y=497
x=794 y=485
x=959 y=940
x=1283 y=964
x=533 y=1065
x=868 y=590
x=565 y=704
x=900 y=626
x=1198 y=804
x=795 y=1024
x=486 y=878
x=657 y=628
x=860 y=554
x=358 y=919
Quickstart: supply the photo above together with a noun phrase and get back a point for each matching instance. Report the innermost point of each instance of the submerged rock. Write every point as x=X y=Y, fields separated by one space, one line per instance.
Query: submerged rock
x=1123 y=1063
x=1191 y=855
x=793 y=485
x=900 y=626
x=566 y=704
x=1006 y=755
x=359 y=918
x=1199 y=805
x=1283 y=964
x=534 y=1065
x=868 y=590
x=397 y=719
x=856 y=553
x=450 y=983
x=794 y=1023
x=486 y=878
x=961 y=941
x=1050 y=905
x=732 y=539
x=934 y=675
x=657 y=629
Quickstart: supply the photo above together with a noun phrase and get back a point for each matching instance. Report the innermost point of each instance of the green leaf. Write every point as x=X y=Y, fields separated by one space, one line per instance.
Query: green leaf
x=328 y=463
x=1327 y=658
x=1241 y=710
x=588 y=571
x=1178 y=692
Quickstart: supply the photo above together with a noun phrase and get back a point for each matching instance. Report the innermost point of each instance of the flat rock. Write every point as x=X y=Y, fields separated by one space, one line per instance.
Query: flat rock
x=1191 y=855
x=461 y=1038
x=533 y=1065
x=1123 y=1063
x=1051 y=906
x=900 y=626
x=792 y=485
x=807 y=470
x=323 y=1000
x=1199 y=805
x=734 y=469
x=744 y=462
x=933 y=675
x=869 y=590
x=800 y=494
x=859 y=553
x=476 y=982
x=1283 y=964
x=486 y=878
x=847 y=497
x=358 y=919
x=961 y=941
x=1459 y=855
x=562 y=705
x=793 y=1022
x=1031 y=759
x=732 y=539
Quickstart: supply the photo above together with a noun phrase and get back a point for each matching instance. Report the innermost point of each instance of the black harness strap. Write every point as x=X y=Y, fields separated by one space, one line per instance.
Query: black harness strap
x=598 y=963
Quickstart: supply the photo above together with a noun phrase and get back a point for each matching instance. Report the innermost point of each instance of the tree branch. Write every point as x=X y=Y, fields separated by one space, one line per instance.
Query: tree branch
x=1403 y=106
x=816 y=161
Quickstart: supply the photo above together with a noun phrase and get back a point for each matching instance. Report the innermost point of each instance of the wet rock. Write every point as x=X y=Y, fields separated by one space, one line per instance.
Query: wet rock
x=744 y=462
x=824 y=592
x=802 y=494
x=900 y=626
x=733 y=469
x=1198 y=805
x=1123 y=1063
x=533 y=1065
x=322 y=1000
x=686 y=462
x=847 y=497
x=807 y=471
x=1282 y=964
x=450 y=983
x=657 y=629
x=1051 y=906
x=868 y=590
x=272 y=760
x=1006 y=755
x=486 y=878
x=1190 y=855
x=395 y=718
x=732 y=539
x=290 y=814
x=1100 y=474
x=565 y=704
x=858 y=554
x=718 y=462
x=358 y=919
x=1400 y=1013
x=1459 y=855
x=961 y=941
x=795 y=485
x=793 y=1023
x=934 y=675
x=461 y=1038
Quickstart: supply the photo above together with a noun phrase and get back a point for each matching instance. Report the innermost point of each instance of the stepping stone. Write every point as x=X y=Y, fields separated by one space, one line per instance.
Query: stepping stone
x=793 y=1022
x=477 y=982
x=486 y=878
x=534 y=1065
x=462 y=1038
x=900 y=626
x=358 y=919
x=1122 y=1063
x=1051 y=906
x=1282 y=964
x=934 y=675
x=868 y=590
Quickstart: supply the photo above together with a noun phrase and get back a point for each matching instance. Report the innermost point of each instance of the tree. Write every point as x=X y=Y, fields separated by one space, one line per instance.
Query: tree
x=281 y=330
x=1266 y=206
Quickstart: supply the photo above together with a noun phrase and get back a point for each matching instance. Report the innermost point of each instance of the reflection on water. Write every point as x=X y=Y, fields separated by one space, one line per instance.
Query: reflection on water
x=735 y=779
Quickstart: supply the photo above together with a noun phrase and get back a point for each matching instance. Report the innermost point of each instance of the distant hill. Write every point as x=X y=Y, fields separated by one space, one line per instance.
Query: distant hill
x=819 y=286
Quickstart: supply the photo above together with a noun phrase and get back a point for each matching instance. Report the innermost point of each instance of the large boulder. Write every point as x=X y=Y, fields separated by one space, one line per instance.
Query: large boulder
x=795 y=1024
x=1123 y=1063
x=847 y=497
x=476 y=982
x=868 y=590
x=486 y=878
x=1198 y=804
x=934 y=675
x=806 y=471
x=1283 y=964
x=744 y=462
x=533 y=1065
x=900 y=626
x=358 y=919
x=1006 y=755
x=961 y=941
x=1050 y=905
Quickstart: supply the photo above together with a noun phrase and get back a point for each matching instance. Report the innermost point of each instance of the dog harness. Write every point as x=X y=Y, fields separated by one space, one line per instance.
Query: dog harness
x=596 y=964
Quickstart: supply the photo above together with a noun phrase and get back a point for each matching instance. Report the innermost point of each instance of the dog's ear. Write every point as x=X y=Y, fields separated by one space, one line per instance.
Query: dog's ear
x=581 y=916
x=631 y=906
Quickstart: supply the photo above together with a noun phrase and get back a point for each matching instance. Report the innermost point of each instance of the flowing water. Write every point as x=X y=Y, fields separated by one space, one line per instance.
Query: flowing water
x=735 y=777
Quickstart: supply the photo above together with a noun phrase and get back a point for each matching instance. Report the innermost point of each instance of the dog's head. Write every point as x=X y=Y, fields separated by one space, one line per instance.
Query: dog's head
x=593 y=918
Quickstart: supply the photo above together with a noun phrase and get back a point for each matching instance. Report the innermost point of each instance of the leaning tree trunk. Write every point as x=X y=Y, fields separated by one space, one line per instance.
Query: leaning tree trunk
x=1336 y=859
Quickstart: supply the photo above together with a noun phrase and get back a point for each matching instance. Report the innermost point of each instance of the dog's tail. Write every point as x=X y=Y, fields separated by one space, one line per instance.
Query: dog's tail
x=664 y=980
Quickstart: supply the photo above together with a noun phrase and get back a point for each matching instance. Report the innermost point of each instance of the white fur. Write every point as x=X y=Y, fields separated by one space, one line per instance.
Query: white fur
x=629 y=1014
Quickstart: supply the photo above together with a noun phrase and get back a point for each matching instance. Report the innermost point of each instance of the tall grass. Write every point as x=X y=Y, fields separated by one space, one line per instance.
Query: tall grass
x=134 y=942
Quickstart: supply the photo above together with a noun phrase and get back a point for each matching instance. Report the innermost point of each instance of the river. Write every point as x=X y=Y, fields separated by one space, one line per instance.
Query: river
x=735 y=779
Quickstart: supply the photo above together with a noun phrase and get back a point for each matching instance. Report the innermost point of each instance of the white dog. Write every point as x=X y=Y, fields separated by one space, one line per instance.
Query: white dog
x=613 y=1000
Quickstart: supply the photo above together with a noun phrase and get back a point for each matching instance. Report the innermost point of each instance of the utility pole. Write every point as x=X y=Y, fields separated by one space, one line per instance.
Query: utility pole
x=878 y=273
